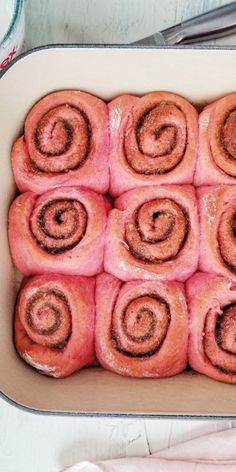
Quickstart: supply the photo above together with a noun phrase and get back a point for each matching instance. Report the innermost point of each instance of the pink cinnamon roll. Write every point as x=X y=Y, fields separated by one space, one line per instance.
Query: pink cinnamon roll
x=217 y=206
x=65 y=143
x=141 y=327
x=54 y=323
x=153 y=141
x=216 y=163
x=212 y=346
x=59 y=231
x=152 y=233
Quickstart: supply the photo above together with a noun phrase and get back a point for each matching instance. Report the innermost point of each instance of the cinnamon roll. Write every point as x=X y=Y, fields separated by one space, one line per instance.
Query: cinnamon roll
x=153 y=141
x=212 y=346
x=54 y=323
x=216 y=163
x=153 y=234
x=141 y=327
x=60 y=231
x=217 y=206
x=65 y=142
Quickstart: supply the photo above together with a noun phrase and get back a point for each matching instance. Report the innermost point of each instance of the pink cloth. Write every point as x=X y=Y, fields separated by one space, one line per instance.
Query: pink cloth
x=214 y=452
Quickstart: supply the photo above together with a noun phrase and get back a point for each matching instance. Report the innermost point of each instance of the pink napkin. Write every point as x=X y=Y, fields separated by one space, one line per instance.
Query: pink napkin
x=214 y=452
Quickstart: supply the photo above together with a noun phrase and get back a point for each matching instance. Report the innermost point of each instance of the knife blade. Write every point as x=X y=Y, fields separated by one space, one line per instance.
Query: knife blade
x=211 y=24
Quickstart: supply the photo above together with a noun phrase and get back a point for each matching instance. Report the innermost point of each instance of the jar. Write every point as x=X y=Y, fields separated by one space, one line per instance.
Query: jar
x=12 y=26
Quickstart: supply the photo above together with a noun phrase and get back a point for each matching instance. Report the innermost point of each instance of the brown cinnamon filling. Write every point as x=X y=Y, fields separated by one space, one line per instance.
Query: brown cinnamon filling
x=158 y=231
x=156 y=143
x=220 y=339
x=222 y=141
x=54 y=312
x=59 y=225
x=227 y=238
x=62 y=140
x=68 y=130
x=228 y=135
x=48 y=318
x=140 y=330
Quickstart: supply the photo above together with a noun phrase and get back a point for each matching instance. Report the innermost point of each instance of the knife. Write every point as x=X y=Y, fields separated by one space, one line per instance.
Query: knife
x=212 y=24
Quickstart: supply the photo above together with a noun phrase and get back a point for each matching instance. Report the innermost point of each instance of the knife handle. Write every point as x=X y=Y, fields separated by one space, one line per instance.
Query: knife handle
x=212 y=24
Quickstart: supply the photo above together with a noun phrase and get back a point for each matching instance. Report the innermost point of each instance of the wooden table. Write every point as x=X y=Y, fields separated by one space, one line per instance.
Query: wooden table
x=32 y=443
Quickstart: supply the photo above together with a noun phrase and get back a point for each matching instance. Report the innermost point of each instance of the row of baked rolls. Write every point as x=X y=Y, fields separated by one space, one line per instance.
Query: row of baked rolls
x=153 y=140
x=151 y=233
x=141 y=327
x=159 y=139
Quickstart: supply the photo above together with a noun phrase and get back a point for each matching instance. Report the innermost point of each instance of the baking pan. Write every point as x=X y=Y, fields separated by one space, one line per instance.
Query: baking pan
x=201 y=75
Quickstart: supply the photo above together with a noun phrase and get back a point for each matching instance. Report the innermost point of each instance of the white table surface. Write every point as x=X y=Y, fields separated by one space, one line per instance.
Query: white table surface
x=31 y=443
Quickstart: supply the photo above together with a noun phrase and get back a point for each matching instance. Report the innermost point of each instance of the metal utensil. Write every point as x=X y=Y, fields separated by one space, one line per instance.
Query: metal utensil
x=212 y=24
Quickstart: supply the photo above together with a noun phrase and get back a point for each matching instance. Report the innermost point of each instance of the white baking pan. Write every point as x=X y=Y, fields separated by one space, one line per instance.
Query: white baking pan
x=201 y=75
